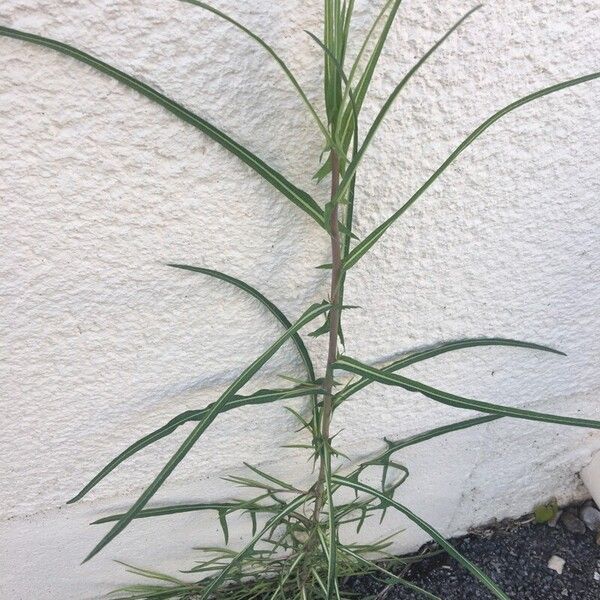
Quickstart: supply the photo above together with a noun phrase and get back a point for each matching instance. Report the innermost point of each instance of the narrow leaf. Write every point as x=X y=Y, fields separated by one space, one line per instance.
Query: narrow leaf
x=284 y=485
x=367 y=243
x=373 y=566
x=259 y=397
x=223 y=521
x=435 y=535
x=351 y=170
x=393 y=447
x=274 y=55
x=176 y=509
x=215 y=582
x=312 y=313
x=365 y=79
x=421 y=355
x=276 y=179
x=354 y=366
x=270 y=306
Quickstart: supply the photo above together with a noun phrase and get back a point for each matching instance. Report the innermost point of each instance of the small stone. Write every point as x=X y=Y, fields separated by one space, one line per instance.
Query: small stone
x=598 y=539
x=556 y=563
x=591 y=517
x=572 y=523
x=553 y=522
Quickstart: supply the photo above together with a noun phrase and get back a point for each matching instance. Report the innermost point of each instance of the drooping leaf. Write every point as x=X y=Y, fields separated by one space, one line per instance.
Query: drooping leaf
x=353 y=366
x=312 y=313
x=376 y=567
x=435 y=535
x=420 y=355
x=225 y=528
x=270 y=306
x=299 y=197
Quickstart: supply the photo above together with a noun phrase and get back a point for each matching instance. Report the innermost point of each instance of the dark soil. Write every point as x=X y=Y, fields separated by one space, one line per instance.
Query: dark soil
x=515 y=555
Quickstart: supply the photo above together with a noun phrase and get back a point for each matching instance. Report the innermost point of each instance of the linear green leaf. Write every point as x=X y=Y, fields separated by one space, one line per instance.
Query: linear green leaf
x=394 y=446
x=274 y=55
x=278 y=591
x=345 y=124
x=420 y=355
x=345 y=184
x=373 y=566
x=270 y=306
x=312 y=313
x=368 y=242
x=332 y=79
x=299 y=197
x=435 y=535
x=274 y=310
x=161 y=511
x=354 y=366
x=283 y=484
x=237 y=401
x=216 y=581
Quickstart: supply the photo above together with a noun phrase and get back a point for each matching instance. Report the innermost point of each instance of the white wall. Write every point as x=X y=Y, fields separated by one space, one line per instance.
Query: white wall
x=102 y=343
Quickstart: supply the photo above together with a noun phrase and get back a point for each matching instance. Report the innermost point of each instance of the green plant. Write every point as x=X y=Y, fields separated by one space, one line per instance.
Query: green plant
x=295 y=550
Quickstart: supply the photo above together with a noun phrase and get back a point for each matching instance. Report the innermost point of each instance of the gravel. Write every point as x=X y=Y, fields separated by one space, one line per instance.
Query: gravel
x=591 y=517
x=515 y=555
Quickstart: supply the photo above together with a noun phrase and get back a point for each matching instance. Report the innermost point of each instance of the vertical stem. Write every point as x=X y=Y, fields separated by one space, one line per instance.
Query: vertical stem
x=334 y=324
x=335 y=312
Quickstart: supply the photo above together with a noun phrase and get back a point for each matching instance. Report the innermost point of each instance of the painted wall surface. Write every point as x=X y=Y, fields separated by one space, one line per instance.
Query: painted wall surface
x=101 y=342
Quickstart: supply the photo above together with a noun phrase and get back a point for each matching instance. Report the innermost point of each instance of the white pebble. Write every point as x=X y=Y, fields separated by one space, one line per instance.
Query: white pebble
x=556 y=563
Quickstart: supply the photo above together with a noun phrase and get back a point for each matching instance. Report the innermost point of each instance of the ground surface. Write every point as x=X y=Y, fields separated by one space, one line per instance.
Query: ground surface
x=516 y=557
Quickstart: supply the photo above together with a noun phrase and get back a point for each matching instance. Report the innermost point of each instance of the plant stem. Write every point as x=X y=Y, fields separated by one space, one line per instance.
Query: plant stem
x=335 y=312
x=334 y=324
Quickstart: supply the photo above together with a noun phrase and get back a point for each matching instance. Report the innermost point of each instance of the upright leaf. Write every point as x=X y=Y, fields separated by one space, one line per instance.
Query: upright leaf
x=274 y=55
x=368 y=242
x=345 y=125
x=351 y=170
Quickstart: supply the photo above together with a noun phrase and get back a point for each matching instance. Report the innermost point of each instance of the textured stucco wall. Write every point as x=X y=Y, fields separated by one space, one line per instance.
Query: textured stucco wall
x=100 y=187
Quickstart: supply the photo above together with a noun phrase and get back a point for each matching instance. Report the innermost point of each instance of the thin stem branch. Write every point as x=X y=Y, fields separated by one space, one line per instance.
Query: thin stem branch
x=334 y=325
x=322 y=491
